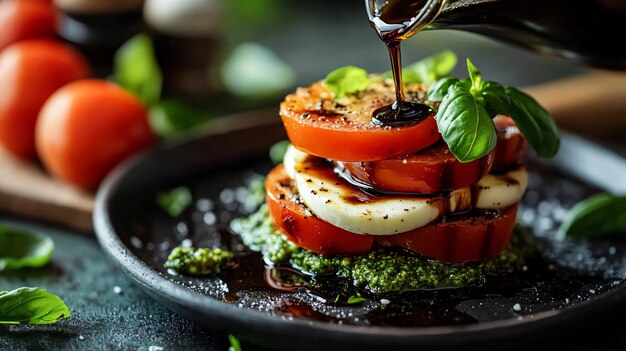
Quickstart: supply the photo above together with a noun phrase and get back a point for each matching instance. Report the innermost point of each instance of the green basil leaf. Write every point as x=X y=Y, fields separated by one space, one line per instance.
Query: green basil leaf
x=235 y=345
x=171 y=117
x=597 y=216
x=475 y=77
x=439 y=89
x=174 y=201
x=278 y=150
x=495 y=98
x=254 y=72
x=465 y=125
x=434 y=67
x=347 y=80
x=31 y=306
x=534 y=122
x=19 y=249
x=137 y=70
x=407 y=76
x=355 y=299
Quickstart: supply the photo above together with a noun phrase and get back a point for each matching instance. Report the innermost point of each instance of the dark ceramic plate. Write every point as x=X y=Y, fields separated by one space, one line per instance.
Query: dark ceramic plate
x=573 y=280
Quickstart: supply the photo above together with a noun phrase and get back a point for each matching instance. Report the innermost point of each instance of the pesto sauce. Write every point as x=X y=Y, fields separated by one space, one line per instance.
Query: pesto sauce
x=383 y=269
x=202 y=261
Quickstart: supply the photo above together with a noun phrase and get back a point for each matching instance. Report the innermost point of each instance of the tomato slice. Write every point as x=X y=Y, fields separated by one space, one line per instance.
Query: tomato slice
x=511 y=146
x=432 y=170
x=301 y=227
x=319 y=125
x=469 y=238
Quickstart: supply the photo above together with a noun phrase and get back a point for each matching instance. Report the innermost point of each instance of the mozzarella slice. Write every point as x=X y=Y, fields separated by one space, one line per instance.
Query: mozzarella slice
x=341 y=204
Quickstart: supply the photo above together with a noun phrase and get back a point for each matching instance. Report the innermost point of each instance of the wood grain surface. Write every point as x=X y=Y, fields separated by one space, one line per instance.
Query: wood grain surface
x=593 y=105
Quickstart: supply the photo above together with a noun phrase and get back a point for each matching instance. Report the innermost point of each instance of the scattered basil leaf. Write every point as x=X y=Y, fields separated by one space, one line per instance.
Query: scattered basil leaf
x=534 y=122
x=433 y=67
x=346 y=80
x=355 y=299
x=19 y=249
x=137 y=70
x=495 y=99
x=278 y=150
x=439 y=89
x=235 y=345
x=171 y=117
x=31 y=306
x=597 y=216
x=465 y=125
x=174 y=201
x=254 y=72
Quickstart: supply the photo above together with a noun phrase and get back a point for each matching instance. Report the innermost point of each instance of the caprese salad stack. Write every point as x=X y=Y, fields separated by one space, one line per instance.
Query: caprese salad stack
x=347 y=185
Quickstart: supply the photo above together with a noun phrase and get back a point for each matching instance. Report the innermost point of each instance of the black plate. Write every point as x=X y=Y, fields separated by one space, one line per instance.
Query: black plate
x=584 y=279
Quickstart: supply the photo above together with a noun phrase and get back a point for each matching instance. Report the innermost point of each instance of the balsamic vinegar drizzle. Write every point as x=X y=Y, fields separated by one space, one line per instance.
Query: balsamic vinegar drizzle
x=394 y=21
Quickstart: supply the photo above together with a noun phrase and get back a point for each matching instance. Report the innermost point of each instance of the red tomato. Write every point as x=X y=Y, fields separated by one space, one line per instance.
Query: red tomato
x=88 y=127
x=470 y=238
x=511 y=146
x=30 y=71
x=302 y=228
x=25 y=19
x=348 y=135
x=432 y=170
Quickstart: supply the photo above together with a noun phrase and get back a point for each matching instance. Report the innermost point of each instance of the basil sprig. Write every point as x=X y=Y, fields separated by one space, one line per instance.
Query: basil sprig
x=467 y=106
x=350 y=79
x=599 y=215
x=31 y=306
x=20 y=249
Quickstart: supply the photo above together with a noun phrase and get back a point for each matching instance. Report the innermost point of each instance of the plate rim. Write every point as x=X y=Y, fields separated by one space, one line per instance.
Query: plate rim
x=159 y=287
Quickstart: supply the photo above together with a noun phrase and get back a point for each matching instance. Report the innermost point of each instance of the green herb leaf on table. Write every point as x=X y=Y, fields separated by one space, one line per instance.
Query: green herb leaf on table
x=174 y=201
x=278 y=150
x=254 y=72
x=597 y=216
x=355 y=299
x=169 y=118
x=31 y=306
x=235 y=345
x=534 y=122
x=19 y=249
x=346 y=80
x=465 y=125
x=137 y=70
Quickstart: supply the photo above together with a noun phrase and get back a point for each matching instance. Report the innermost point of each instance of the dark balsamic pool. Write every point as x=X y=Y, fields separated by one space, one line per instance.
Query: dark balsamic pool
x=567 y=274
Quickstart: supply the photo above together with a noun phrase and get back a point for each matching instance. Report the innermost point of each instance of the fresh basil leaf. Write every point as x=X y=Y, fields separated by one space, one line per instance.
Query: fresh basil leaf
x=278 y=150
x=31 y=306
x=465 y=125
x=254 y=72
x=19 y=249
x=439 y=89
x=355 y=299
x=171 y=117
x=475 y=77
x=495 y=99
x=174 y=201
x=407 y=76
x=235 y=345
x=137 y=70
x=346 y=80
x=433 y=67
x=534 y=122
x=597 y=216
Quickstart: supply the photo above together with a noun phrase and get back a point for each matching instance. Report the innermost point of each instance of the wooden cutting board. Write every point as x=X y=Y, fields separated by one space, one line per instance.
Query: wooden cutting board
x=593 y=105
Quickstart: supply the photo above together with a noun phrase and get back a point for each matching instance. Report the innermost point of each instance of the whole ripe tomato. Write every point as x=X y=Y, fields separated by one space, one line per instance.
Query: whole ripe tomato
x=88 y=127
x=26 y=19
x=30 y=71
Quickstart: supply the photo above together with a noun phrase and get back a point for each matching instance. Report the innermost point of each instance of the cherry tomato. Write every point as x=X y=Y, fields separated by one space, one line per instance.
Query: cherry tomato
x=301 y=227
x=317 y=125
x=30 y=71
x=88 y=127
x=25 y=19
x=511 y=146
x=468 y=238
x=432 y=170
